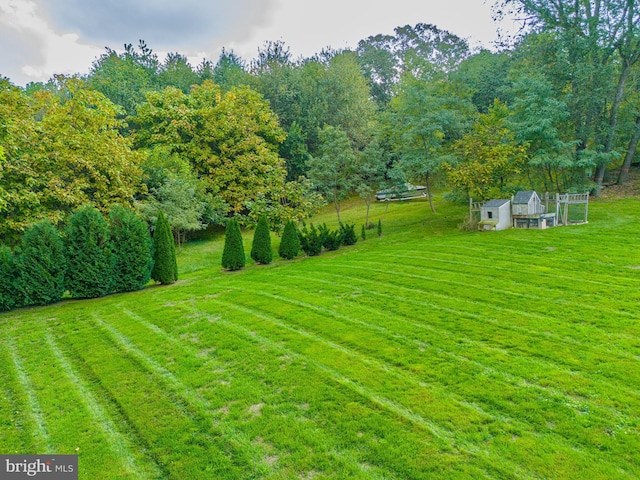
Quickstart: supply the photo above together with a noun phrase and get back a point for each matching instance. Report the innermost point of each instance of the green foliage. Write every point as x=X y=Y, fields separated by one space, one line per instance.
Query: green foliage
x=165 y=266
x=63 y=150
x=89 y=257
x=379 y=227
x=8 y=279
x=175 y=190
x=489 y=156
x=349 y=234
x=233 y=257
x=290 y=242
x=41 y=266
x=132 y=249
x=330 y=239
x=332 y=170
x=363 y=234
x=310 y=240
x=230 y=139
x=261 y=248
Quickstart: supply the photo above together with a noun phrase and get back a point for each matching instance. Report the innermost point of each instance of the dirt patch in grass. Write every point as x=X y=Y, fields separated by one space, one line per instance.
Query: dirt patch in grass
x=631 y=188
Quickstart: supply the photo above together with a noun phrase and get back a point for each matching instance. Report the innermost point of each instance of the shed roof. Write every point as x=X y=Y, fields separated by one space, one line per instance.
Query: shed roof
x=524 y=196
x=495 y=203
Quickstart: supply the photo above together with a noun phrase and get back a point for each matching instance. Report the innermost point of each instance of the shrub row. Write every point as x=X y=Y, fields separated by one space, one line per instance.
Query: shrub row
x=313 y=240
x=90 y=258
x=310 y=239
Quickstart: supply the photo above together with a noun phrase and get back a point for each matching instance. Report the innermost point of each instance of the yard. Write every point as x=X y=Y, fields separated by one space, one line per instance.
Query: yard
x=424 y=353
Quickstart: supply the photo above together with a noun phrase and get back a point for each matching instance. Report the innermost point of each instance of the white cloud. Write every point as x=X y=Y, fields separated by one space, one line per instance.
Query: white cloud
x=42 y=52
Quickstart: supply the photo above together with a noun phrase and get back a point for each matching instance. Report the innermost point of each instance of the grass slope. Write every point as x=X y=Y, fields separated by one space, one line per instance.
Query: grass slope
x=424 y=353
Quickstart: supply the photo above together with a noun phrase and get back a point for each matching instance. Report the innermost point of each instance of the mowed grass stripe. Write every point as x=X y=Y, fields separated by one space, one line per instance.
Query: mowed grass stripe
x=182 y=354
x=37 y=418
x=427 y=406
x=178 y=441
x=557 y=398
x=573 y=323
x=447 y=339
x=63 y=408
x=445 y=438
x=502 y=295
x=120 y=446
x=16 y=421
x=344 y=461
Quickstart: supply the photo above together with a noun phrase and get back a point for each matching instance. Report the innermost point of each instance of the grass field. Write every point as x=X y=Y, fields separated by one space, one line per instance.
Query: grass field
x=425 y=353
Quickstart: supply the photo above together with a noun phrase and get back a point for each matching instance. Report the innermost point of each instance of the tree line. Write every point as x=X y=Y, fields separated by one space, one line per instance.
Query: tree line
x=557 y=109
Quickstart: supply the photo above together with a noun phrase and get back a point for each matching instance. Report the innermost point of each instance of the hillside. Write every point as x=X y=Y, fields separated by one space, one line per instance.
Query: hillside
x=424 y=353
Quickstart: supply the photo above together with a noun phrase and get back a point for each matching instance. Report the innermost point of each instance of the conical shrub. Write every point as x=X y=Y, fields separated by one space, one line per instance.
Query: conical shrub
x=41 y=266
x=89 y=258
x=233 y=257
x=261 y=249
x=165 y=266
x=132 y=250
x=290 y=242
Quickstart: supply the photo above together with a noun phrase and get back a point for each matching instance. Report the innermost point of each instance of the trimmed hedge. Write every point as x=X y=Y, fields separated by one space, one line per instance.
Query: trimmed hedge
x=89 y=258
x=233 y=257
x=132 y=250
x=261 y=248
x=41 y=266
x=165 y=265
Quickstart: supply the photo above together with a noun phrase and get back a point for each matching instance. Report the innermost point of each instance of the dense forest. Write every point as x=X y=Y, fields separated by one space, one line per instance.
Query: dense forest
x=558 y=109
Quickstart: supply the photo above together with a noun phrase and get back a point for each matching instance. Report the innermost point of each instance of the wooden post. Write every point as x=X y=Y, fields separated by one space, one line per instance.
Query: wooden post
x=586 y=209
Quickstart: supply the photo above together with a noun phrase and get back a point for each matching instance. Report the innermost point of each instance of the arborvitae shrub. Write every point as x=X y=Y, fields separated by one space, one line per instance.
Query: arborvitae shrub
x=379 y=227
x=8 y=279
x=349 y=234
x=363 y=235
x=290 y=242
x=89 y=258
x=165 y=266
x=41 y=266
x=132 y=250
x=331 y=239
x=233 y=257
x=310 y=240
x=261 y=249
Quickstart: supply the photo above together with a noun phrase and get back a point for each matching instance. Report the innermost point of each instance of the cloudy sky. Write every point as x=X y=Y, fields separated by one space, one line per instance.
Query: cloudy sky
x=39 y=38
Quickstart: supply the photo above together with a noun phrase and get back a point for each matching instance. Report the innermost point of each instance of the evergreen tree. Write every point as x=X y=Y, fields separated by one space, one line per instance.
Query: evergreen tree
x=349 y=236
x=261 y=249
x=165 y=266
x=379 y=227
x=233 y=254
x=89 y=258
x=132 y=250
x=41 y=266
x=311 y=240
x=8 y=276
x=363 y=235
x=290 y=243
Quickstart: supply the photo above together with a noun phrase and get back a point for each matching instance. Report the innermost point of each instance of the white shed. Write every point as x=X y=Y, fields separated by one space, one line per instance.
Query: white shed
x=527 y=203
x=495 y=215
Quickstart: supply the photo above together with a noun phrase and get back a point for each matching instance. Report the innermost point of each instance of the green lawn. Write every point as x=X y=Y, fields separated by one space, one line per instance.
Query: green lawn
x=425 y=353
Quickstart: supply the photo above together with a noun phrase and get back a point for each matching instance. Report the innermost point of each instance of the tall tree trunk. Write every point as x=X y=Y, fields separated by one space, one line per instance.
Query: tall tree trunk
x=613 y=119
x=631 y=151
x=433 y=210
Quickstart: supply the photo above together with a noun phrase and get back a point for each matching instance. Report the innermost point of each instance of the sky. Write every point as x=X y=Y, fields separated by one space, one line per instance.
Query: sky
x=40 y=38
